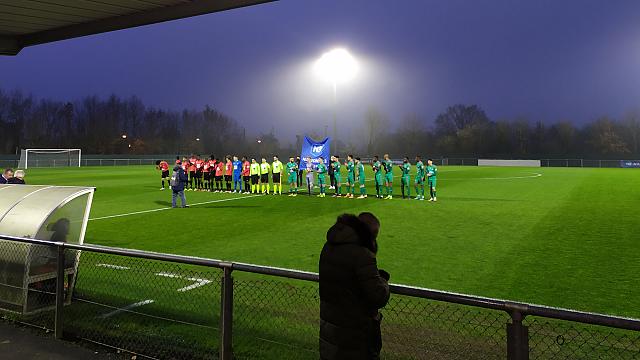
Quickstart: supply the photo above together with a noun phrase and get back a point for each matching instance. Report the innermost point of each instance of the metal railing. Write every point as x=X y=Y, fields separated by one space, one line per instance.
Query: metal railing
x=127 y=299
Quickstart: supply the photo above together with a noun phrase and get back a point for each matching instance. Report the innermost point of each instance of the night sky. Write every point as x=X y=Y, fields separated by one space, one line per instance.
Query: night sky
x=544 y=60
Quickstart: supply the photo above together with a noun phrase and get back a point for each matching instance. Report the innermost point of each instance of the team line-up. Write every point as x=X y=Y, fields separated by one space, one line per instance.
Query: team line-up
x=251 y=177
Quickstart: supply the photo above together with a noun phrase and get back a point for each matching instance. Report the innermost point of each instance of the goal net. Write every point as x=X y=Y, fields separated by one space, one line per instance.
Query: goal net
x=31 y=158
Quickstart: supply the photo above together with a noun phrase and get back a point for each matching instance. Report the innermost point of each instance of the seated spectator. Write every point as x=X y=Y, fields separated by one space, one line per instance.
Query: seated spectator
x=352 y=290
x=6 y=175
x=18 y=178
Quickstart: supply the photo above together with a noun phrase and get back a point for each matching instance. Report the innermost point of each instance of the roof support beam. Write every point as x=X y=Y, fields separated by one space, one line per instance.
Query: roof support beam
x=11 y=46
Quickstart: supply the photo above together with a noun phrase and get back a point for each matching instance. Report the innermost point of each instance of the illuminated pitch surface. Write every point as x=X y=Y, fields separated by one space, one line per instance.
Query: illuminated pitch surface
x=566 y=238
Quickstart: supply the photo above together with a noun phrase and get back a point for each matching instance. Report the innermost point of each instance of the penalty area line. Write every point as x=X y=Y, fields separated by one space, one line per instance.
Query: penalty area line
x=169 y=208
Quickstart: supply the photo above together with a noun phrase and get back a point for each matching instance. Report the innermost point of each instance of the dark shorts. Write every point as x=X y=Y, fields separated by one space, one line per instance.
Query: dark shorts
x=165 y=174
x=276 y=177
x=219 y=178
x=227 y=178
x=199 y=174
x=207 y=176
x=246 y=178
x=264 y=178
x=192 y=174
x=254 y=179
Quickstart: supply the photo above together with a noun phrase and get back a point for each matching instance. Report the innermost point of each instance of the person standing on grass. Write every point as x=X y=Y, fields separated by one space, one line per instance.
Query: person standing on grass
x=377 y=172
x=420 y=175
x=352 y=290
x=351 y=177
x=300 y=172
x=387 y=164
x=309 y=175
x=292 y=170
x=219 y=175
x=330 y=171
x=276 y=172
x=321 y=169
x=163 y=166
x=264 y=176
x=361 y=179
x=405 y=180
x=237 y=175
x=192 y=172
x=246 y=173
x=432 y=174
x=6 y=175
x=255 y=176
x=228 y=173
x=336 y=174
x=178 y=181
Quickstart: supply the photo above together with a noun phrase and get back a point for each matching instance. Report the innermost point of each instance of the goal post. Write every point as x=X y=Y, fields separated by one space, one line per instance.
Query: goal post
x=32 y=158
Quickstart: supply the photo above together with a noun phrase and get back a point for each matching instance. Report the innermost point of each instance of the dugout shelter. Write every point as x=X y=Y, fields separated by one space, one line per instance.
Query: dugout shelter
x=28 y=271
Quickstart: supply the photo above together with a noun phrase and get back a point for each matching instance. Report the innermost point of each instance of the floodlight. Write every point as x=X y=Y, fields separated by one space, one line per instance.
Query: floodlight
x=336 y=66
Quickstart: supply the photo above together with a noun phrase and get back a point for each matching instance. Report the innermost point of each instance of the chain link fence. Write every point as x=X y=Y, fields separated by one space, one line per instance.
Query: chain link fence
x=175 y=307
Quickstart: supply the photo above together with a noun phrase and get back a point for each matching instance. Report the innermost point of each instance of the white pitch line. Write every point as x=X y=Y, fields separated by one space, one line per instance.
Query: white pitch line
x=169 y=208
x=126 y=308
x=111 y=266
x=199 y=283
x=169 y=275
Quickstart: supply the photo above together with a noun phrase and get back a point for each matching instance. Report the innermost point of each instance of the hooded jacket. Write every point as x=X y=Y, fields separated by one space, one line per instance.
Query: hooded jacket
x=182 y=176
x=351 y=292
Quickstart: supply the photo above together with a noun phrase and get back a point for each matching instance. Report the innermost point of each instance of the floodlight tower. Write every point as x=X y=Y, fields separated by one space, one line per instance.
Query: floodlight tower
x=336 y=66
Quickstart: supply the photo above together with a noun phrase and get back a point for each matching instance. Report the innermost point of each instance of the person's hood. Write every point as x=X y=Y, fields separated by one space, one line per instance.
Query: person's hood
x=177 y=167
x=342 y=233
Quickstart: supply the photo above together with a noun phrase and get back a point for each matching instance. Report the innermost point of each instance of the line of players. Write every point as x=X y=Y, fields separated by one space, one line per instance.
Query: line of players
x=251 y=177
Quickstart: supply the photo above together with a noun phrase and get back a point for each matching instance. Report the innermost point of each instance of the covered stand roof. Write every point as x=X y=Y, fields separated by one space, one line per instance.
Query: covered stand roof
x=31 y=22
x=57 y=213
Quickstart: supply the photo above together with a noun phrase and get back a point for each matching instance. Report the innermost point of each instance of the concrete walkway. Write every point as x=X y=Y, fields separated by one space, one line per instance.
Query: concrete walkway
x=24 y=343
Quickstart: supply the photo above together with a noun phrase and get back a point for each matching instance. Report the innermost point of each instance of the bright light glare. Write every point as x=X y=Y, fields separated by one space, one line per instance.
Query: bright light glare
x=336 y=66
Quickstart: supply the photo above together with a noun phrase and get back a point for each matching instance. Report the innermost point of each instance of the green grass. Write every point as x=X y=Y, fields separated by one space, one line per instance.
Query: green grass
x=567 y=238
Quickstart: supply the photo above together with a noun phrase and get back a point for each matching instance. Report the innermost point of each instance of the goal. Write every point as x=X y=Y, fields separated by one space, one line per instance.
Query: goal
x=31 y=158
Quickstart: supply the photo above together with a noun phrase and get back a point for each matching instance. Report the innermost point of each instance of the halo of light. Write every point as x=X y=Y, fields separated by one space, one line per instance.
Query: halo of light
x=336 y=66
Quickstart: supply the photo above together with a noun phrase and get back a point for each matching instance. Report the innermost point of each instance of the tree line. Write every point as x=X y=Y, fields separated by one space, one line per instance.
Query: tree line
x=116 y=125
x=467 y=131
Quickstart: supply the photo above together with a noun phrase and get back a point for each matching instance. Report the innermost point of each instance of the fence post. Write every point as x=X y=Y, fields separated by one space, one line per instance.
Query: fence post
x=226 y=314
x=59 y=292
x=517 y=338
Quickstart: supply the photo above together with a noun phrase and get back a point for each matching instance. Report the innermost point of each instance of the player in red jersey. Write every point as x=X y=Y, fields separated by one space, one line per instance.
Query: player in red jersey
x=246 y=167
x=199 y=169
x=219 y=174
x=206 y=175
x=212 y=172
x=163 y=166
x=228 y=172
x=192 y=172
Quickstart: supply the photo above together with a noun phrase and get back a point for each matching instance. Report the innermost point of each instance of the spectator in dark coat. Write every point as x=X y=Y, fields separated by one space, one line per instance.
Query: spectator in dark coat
x=18 y=178
x=6 y=175
x=352 y=290
x=177 y=185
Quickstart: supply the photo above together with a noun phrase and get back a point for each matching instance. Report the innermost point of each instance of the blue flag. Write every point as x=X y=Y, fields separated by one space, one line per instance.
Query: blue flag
x=314 y=150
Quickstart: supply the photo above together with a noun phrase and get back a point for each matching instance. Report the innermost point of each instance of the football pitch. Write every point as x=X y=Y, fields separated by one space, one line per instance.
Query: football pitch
x=564 y=237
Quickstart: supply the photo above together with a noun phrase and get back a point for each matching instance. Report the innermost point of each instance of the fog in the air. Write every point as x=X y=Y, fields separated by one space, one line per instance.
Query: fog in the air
x=543 y=60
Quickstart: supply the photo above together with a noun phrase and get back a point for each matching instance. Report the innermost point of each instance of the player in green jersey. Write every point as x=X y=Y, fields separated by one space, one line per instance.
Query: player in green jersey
x=351 y=178
x=321 y=169
x=420 y=174
x=388 y=176
x=276 y=171
x=377 y=171
x=406 y=177
x=361 y=179
x=432 y=173
x=292 y=170
x=336 y=173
